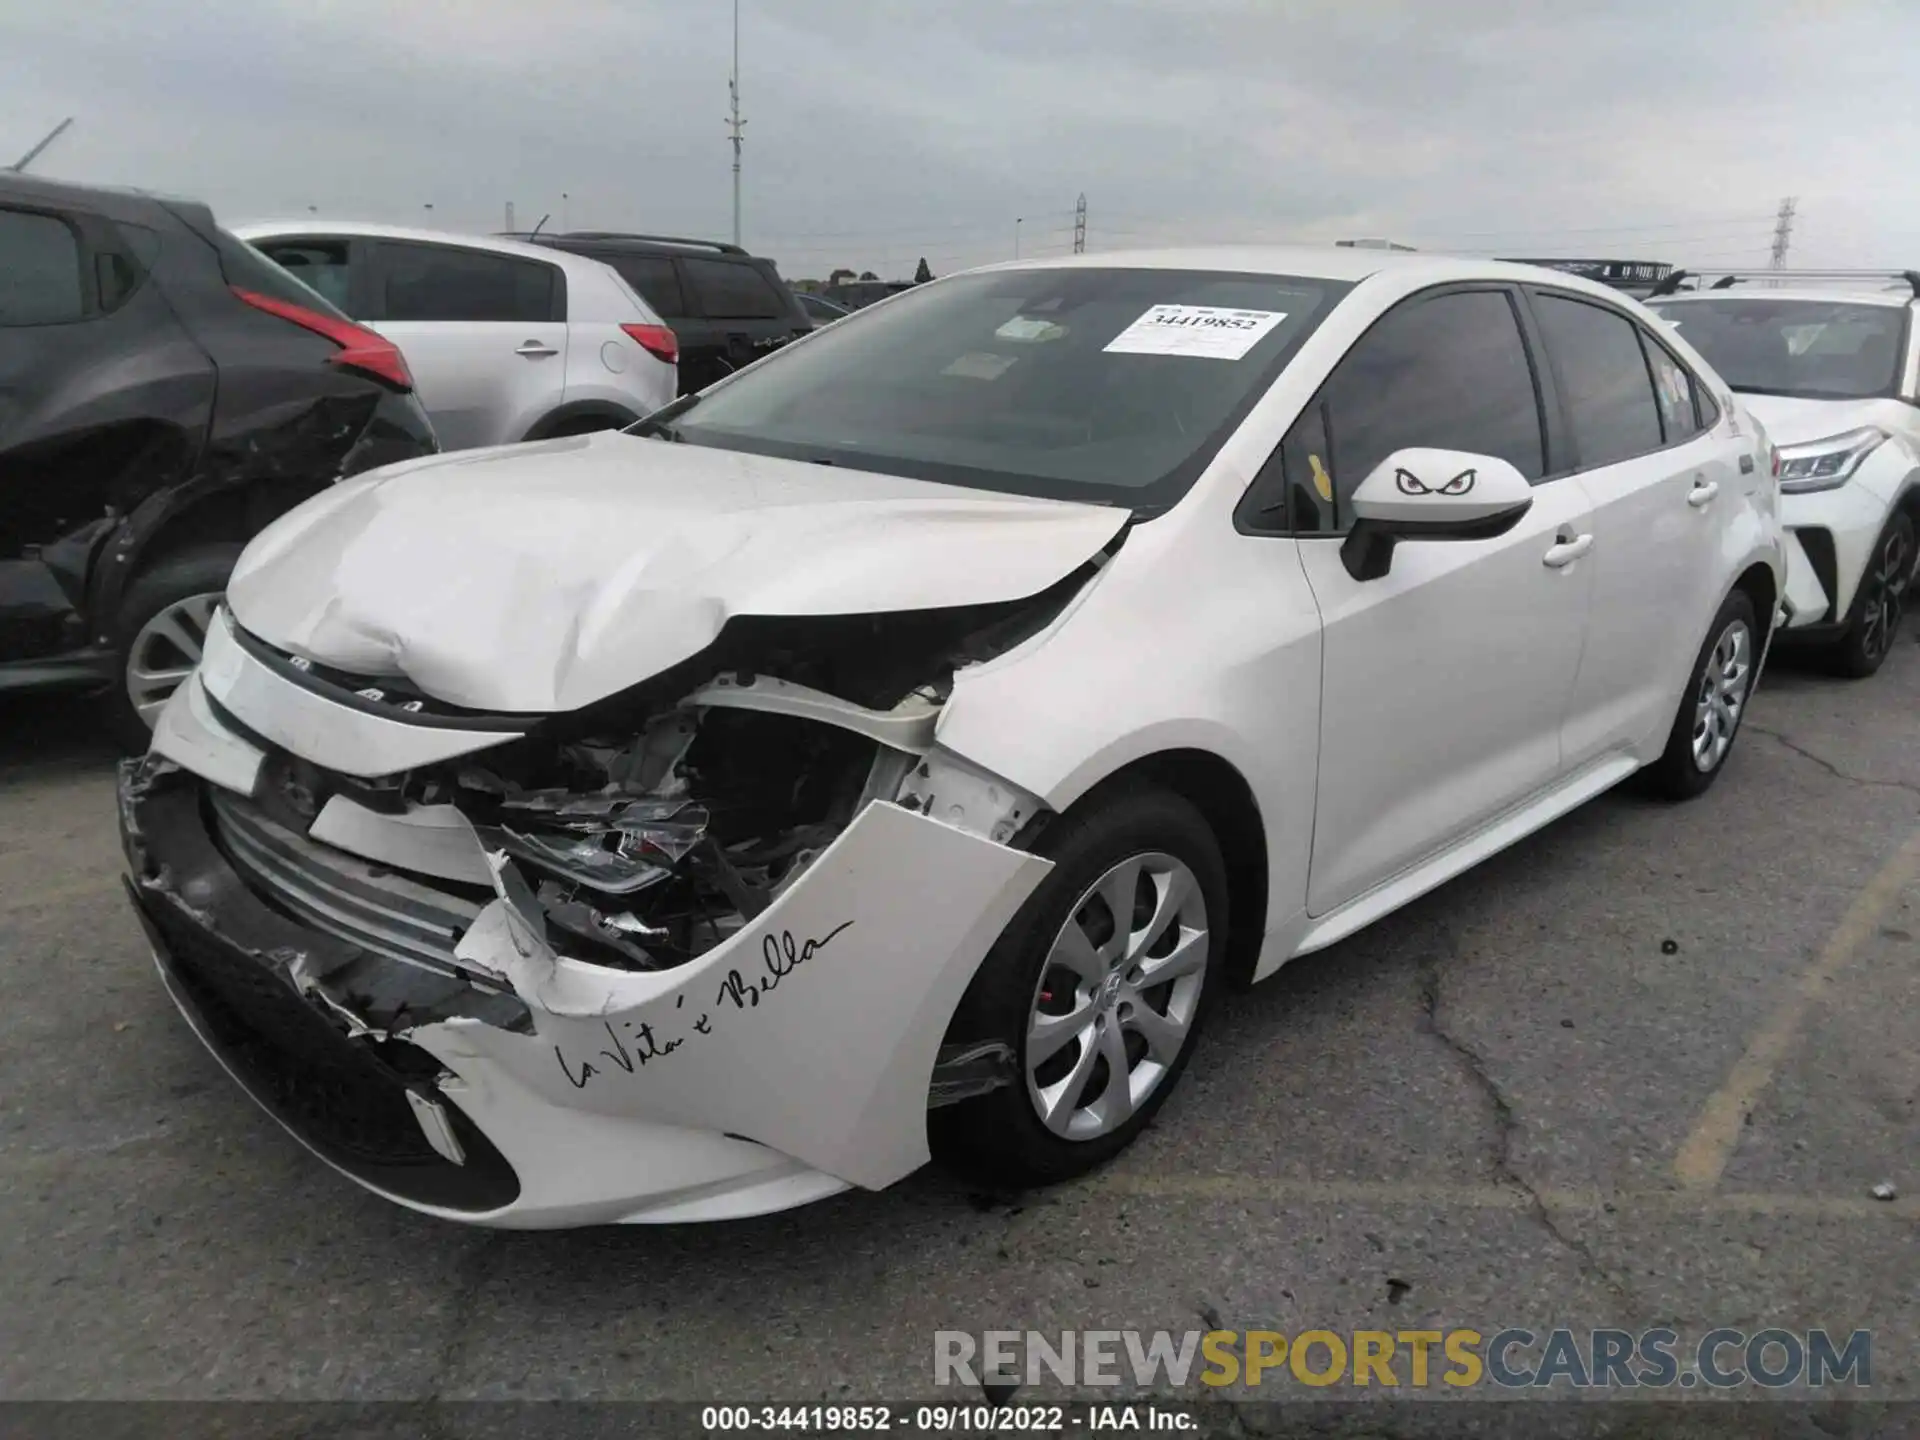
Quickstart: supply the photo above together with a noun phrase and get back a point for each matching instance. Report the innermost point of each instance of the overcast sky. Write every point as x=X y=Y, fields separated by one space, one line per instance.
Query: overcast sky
x=882 y=130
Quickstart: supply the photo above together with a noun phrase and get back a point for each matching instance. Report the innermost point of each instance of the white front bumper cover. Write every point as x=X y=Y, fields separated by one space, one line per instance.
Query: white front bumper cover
x=791 y=1061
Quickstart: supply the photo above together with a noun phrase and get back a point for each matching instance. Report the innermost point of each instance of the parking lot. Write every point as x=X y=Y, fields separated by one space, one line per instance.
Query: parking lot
x=1519 y=1101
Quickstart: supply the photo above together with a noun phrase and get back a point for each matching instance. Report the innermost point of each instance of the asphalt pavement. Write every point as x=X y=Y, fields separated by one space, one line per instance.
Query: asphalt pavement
x=1643 y=1068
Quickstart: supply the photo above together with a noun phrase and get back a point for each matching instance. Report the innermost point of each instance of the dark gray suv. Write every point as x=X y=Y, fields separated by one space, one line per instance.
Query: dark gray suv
x=728 y=307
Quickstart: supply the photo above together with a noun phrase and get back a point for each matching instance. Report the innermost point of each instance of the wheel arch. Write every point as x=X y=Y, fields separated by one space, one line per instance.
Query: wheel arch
x=205 y=511
x=564 y=418
x=1217 y=788
x=1760 y=586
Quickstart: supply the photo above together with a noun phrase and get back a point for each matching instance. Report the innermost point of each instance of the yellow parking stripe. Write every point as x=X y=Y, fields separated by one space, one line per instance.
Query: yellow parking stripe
x=1703 y=1158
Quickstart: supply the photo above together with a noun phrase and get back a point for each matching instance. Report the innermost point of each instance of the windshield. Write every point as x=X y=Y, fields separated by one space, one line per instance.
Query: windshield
x=1110 y=385
x=1816 y=349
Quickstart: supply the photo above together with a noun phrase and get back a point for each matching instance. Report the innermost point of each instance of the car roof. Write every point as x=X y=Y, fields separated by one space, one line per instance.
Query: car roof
x=364 y=229
x=620 y=240
x=1821 y=294
x=1320 y=262
x=123 y=198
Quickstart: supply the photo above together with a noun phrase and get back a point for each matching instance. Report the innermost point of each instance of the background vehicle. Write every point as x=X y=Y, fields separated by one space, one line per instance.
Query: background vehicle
x=728 y=307
x=507 y=342
x=1830 y=364
x=1044 y=650
x=858 y=294
x=164 y=393
x=819 y=308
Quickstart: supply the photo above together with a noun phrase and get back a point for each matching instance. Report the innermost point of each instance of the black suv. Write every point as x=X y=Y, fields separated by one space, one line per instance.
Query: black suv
x=165 y=391
x=727 y=307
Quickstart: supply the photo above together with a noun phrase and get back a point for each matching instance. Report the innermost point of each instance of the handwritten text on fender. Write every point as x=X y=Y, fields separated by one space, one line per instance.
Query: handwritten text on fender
x=780 y=955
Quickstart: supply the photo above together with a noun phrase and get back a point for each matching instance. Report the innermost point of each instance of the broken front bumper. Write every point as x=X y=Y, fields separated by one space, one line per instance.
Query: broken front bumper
x=790 y=1062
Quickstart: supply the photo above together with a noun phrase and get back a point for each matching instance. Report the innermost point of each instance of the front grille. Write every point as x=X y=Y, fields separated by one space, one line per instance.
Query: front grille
x=364 y=904
x=342 y=1096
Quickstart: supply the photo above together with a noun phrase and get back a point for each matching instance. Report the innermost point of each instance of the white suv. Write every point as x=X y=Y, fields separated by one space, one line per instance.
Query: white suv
x=900 y=744
x=506 y=341
x=1831 y=367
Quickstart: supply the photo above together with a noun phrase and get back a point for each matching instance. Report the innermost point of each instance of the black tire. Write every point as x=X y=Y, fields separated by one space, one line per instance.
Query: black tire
x=999 y=1138
x=1874 y=622
x=1679 y=774
x=169 y=581
x=579 y=425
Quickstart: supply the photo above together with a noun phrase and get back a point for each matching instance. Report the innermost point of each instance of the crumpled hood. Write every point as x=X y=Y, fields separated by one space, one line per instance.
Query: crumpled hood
x=1790 y=420
x=543 y=577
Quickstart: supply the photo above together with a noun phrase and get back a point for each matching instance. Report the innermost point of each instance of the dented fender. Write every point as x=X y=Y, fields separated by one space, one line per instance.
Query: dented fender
x=814 y=1030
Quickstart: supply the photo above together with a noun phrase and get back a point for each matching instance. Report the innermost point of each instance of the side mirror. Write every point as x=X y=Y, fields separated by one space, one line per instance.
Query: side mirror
x=1426 y=494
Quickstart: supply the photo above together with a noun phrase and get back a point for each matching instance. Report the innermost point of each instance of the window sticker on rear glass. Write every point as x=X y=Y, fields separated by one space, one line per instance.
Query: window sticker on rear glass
x=980 y=365
x=1202 y=331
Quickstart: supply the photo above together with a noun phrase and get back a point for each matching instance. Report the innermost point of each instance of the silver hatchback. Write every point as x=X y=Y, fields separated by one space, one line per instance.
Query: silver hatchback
x=506 y=341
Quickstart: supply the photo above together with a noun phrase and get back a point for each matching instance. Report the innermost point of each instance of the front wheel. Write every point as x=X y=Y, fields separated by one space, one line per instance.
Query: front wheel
x=1882 y=600
x=1098 y=987
x=1714 y=703
x=159 y=634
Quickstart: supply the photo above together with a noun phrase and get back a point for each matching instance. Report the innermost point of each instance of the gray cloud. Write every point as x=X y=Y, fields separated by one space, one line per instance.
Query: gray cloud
x=882 y=130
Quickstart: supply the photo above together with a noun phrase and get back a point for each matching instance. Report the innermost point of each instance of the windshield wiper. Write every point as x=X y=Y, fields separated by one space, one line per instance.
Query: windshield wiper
x=659 y=425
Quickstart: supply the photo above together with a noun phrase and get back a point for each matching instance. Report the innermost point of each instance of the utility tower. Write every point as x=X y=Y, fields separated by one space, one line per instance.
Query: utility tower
x=1080 y=224
x=1782 y=233
x=734 y=123
x=509 y=217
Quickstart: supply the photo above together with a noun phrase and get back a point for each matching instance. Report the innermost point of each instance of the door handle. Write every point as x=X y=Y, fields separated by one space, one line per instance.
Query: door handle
x=1702 y=493
x=1567 y=550
x=534 y=349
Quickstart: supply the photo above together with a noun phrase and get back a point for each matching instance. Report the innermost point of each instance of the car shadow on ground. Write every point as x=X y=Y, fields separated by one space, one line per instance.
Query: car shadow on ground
x=63 y=731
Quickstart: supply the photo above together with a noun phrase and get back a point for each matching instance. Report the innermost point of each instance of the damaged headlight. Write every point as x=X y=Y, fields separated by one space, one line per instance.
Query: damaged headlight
x=613 y=843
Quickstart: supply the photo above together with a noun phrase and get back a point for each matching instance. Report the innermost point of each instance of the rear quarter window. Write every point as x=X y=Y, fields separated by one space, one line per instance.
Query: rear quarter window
x=730 y=290
x=655 y=278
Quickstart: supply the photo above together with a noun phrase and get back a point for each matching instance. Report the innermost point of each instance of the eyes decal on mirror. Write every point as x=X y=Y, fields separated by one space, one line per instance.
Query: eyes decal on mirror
x=1410 y=484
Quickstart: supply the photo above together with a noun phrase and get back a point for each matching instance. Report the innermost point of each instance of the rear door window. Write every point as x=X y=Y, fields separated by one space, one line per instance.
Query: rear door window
x=730 y=291
x=444 y=282
x=41 y=279
x=1605 y=383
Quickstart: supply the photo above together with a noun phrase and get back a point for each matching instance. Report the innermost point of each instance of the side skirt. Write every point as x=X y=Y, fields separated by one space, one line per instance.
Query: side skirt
x=1306 y=934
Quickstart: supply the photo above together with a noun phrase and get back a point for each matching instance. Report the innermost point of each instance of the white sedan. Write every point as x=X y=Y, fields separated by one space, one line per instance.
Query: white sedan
x=898 y=747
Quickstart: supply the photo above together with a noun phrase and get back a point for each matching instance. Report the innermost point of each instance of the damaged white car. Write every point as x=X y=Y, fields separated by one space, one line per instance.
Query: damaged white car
x=898 y=747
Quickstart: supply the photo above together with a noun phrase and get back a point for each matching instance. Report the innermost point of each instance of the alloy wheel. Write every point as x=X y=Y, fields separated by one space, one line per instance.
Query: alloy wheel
x=164 y=652
x=1886 y=594
x=1117 y=996
x=1722 y=695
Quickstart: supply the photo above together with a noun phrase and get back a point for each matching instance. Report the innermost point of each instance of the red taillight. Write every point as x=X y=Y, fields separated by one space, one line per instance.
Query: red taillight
x=1774 y=451
x=657 y=340
x=360 y=349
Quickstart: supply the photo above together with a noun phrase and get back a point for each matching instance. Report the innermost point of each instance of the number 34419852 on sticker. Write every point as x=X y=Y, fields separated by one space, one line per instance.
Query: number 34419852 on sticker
x=1208 y=332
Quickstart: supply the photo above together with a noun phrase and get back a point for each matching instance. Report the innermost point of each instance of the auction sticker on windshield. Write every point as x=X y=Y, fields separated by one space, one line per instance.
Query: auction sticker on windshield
x=1205 y=331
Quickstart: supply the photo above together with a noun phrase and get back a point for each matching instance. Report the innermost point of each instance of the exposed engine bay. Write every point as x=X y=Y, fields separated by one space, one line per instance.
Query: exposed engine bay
x=652 y=826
